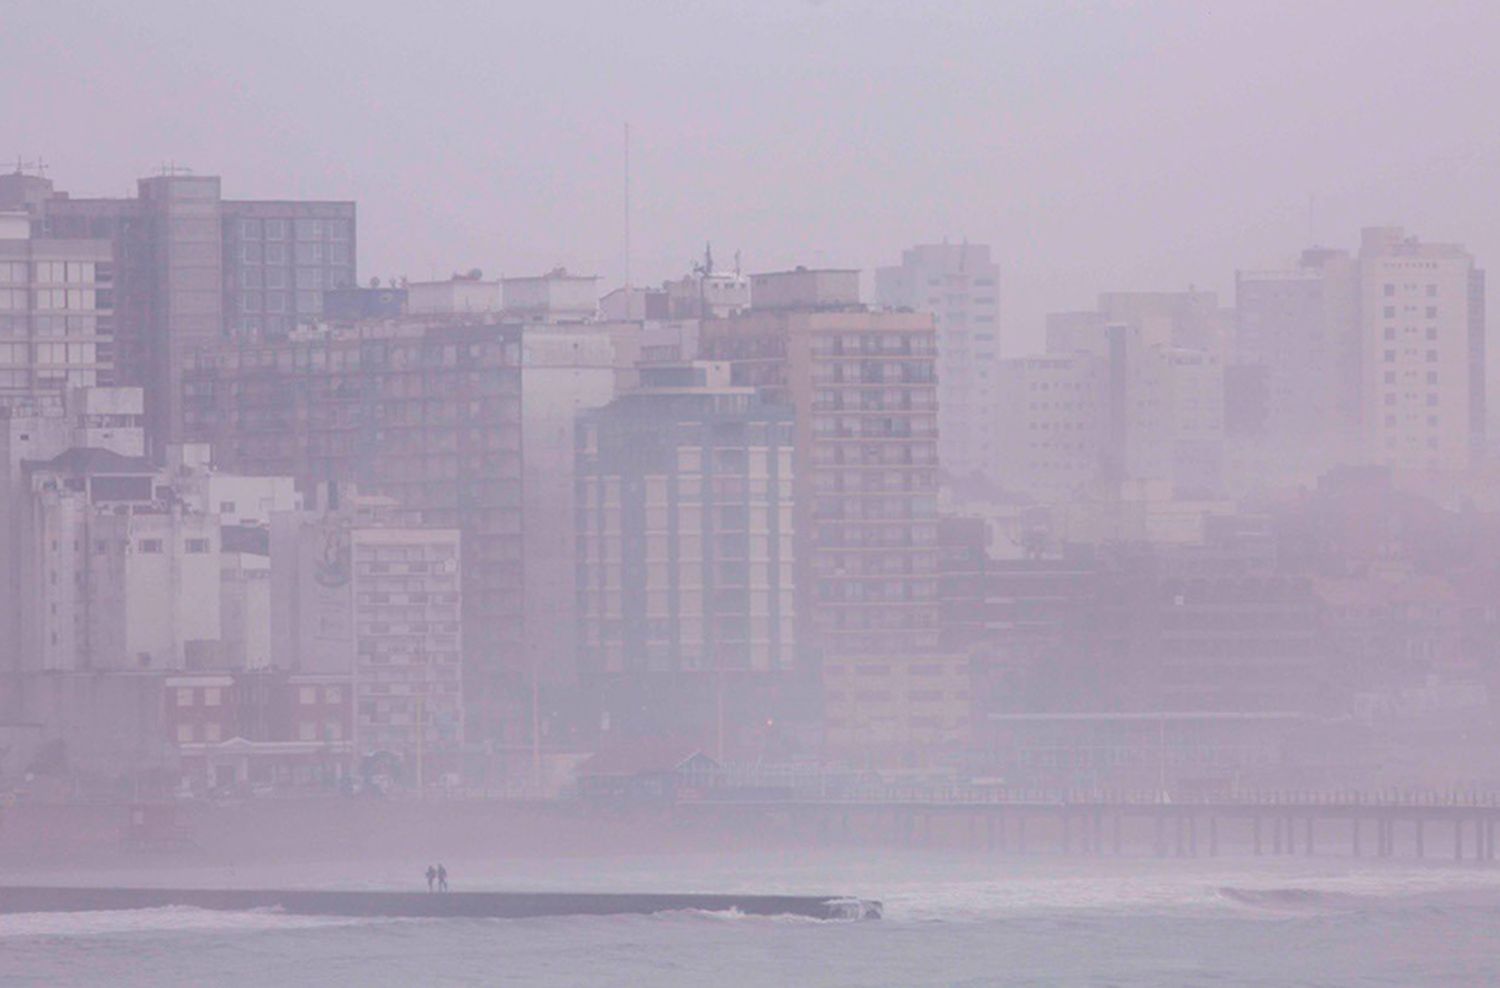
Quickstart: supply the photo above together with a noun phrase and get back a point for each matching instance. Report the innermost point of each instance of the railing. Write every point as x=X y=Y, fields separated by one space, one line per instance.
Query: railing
x=994 y=795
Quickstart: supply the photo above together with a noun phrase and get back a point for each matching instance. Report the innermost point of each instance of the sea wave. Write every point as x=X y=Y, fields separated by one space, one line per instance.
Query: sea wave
x=162 y=919
x=1292 y=899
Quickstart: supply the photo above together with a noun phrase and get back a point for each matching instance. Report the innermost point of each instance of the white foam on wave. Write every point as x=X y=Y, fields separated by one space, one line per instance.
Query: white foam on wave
x=736 y=916
x=1173 y=891
x=163 y=919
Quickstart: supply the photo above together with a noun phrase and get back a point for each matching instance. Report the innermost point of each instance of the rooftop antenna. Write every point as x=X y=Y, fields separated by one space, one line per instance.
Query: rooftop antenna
x=627 y=205
x=38 y=168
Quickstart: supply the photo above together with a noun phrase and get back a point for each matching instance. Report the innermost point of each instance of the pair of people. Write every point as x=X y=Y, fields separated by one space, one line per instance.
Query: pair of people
x=439 y=875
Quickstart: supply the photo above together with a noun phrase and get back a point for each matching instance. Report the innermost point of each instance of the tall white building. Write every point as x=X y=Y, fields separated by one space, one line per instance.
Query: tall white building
x=108 y=419
x=960 y=286
x=1423 y=352
x=125 y=565
x=1052 y=424
x=565 y=371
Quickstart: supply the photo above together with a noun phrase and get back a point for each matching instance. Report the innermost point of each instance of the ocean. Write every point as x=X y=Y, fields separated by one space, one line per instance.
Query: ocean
x=950 y=919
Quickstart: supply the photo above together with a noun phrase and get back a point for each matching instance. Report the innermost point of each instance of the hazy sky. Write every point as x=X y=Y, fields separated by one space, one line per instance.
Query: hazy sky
x=1096 y=146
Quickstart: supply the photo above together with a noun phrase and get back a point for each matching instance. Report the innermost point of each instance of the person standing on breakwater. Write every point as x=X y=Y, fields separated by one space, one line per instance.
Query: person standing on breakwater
x=431 y=877
x=442 y=877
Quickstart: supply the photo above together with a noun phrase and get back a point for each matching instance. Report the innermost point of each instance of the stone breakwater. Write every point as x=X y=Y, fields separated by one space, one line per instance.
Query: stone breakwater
x=504 y=905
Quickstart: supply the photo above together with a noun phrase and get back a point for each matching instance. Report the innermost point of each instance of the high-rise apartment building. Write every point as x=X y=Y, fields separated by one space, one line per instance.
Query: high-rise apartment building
x=1052 y=425
x=685 y=557
x=1292 y=391
x=1189 y=319
x=566 y=370
x=1163 y=388
x=862 y=386
x=56 y=313
x=1114 y=411
x=960 y=286
x=192 y=269
x=426 y=413
x=1423 y=353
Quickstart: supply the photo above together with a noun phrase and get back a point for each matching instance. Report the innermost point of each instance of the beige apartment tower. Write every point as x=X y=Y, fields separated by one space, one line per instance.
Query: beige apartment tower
x=863 y=389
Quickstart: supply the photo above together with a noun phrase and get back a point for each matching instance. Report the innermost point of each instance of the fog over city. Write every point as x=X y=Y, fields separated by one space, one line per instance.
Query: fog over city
x=1092 y=145
x=821 y=492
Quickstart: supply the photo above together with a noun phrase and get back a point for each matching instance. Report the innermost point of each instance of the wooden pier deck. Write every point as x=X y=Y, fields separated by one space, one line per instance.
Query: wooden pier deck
x=1388 y=825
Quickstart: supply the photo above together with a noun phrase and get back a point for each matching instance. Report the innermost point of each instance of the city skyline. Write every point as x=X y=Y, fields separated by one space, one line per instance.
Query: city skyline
x=1018 y=106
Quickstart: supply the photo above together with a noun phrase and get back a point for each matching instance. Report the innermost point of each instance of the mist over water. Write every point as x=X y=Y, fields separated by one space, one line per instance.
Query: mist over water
x=948 y=921
x=1034 y=467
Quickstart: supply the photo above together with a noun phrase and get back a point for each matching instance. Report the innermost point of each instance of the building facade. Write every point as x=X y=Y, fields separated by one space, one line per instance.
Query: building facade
x=192 y=269
x=56 y=313
x=363 y=593
x=121 y=565
x=426 y=413
x=862 y=386
x=1423 y=353
x=960 y=286
x=686 y=558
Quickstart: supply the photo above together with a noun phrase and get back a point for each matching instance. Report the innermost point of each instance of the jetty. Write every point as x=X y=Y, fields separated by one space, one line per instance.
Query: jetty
x=1384 y=824
x=470 y=905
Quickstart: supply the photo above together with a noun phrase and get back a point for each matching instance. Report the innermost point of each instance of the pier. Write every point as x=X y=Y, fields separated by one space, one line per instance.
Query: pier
x=1457 y=826
x=474 y=905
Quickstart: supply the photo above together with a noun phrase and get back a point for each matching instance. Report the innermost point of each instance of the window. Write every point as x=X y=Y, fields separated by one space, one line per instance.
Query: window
x=150 y=545
x=211 y=732
x=308 y=694
x=332 y=694
x=184 y=733
x=197 y=546
x=333 y=731
x=185 y=697
x=226 y=507
x=1390 y=289
x=307 y=730
x=212 y=696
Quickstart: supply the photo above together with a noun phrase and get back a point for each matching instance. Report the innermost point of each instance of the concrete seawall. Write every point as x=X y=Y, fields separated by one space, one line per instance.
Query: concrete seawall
x=506 y=905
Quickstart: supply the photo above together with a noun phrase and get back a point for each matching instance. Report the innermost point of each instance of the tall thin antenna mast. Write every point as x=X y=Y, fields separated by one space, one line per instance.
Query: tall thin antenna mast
x=627 y=205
